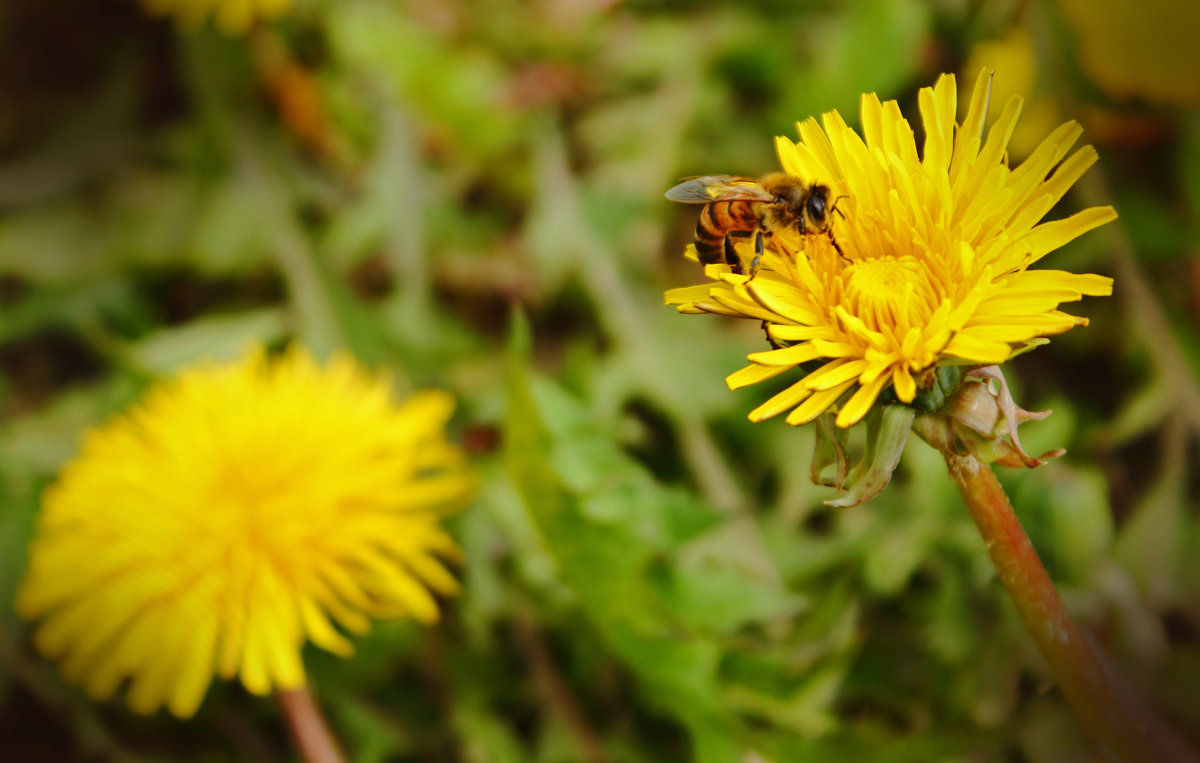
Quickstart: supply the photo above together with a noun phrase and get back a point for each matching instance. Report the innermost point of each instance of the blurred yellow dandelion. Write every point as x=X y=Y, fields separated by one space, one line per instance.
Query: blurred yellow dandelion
x=233 y=17
x=1145 y=49
x=934 y=261
x=237 y=512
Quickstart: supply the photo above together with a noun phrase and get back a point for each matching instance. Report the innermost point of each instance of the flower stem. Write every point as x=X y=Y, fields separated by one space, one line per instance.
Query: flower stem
x=1109 y=710
x=307 y=726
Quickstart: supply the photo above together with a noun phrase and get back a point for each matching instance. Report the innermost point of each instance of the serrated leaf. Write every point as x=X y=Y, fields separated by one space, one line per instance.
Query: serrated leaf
x=721 y=598
x=603 y=555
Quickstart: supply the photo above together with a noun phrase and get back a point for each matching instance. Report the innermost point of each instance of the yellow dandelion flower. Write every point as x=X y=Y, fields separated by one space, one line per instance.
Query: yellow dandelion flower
x=233 y=17
x=934 y=261
x=237 y=512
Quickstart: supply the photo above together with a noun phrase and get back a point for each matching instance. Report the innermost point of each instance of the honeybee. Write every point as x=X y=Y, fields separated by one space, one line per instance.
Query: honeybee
x=740 y=207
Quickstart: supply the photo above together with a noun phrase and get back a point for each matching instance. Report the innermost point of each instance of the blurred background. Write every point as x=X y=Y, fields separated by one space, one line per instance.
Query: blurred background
x=397 y=177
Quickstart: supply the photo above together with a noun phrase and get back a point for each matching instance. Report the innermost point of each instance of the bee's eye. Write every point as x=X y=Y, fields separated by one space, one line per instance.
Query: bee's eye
x=815 y=208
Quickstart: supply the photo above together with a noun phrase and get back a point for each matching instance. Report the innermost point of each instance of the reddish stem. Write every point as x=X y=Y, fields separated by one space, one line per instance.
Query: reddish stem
x=1109 y=710
x=307 y=726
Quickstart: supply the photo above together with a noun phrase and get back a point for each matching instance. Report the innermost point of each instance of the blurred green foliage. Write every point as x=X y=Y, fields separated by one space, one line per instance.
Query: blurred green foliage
x=469 y=193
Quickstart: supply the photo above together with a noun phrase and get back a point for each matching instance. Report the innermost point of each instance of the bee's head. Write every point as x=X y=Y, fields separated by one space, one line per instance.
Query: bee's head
x=816 y=208
x=790 y=194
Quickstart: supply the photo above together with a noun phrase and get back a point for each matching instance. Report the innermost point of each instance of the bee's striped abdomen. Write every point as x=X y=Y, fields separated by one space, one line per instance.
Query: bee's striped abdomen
x=717 y=220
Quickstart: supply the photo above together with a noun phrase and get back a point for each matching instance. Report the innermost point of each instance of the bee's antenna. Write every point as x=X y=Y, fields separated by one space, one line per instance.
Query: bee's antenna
x=835 y=203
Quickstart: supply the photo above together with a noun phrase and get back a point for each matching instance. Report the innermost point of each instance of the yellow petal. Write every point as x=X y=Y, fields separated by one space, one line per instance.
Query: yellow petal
x=970 y=347
x=835 y=373
x=1047 y=237
x=788 y=356
x=753 y=374
x=860 y=403
x=781 y=402
x=815 y=405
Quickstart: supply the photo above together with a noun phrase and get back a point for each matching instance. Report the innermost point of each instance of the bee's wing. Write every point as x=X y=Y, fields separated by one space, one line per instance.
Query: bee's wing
x=702 y=190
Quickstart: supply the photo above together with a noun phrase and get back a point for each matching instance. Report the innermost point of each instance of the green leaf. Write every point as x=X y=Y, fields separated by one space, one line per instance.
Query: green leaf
x=55 y=244
x=372 y=736
x=713 y=595
x=42 y=441
x=1065 y=510
x=217 y=338
x=604 y=557
x=869 y=47
x=485 y=738
x=230 y=235
x=18 y=509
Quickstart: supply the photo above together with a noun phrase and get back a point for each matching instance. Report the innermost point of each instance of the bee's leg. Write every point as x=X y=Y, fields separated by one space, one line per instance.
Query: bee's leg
x=758 y=253
x=731 y=255
x=833 y=241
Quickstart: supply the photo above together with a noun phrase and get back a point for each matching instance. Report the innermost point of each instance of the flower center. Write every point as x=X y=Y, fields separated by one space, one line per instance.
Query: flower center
x=881 y=289
x=256 y=509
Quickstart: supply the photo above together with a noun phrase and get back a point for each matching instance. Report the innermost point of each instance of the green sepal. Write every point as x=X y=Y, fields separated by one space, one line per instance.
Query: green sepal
x=887 y=431
x=941 y=385
x=830 y=450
